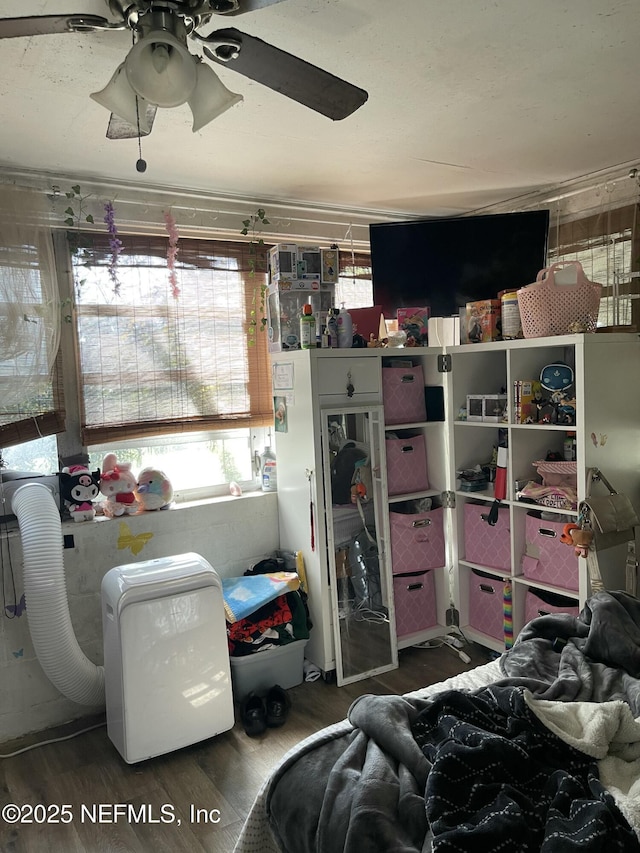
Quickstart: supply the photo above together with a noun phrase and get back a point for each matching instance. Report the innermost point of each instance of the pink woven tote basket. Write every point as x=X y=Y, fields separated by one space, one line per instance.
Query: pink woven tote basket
x=549 y=308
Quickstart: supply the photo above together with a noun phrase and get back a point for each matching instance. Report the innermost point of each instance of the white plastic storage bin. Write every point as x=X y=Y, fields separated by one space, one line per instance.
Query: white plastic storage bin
x=166 y=660
x=258 y=672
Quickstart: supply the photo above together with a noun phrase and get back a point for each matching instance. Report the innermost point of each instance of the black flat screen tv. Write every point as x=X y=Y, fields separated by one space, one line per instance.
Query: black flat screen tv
x=444 y=263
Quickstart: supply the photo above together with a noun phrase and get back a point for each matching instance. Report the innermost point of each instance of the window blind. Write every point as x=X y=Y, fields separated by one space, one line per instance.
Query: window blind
x=607 y=244
x=31 y=397
x=152 y=364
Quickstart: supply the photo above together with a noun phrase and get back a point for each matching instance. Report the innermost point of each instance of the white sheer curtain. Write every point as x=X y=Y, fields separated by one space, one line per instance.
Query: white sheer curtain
x=29 y=304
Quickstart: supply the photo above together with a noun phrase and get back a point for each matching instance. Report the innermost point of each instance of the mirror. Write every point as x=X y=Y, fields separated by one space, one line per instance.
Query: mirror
x=363 y=623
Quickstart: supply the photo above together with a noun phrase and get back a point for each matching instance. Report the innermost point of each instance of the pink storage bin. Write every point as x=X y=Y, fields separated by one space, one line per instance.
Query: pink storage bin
x=415 y=602
x=417 y=540
x=484 y=544
x=403 y=395
x=546 y=558
x=486 y=604
x=406 y=465
x=539 y=603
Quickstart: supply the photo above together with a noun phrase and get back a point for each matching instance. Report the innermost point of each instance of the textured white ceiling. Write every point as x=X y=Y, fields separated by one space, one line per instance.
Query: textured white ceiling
x=471 y=102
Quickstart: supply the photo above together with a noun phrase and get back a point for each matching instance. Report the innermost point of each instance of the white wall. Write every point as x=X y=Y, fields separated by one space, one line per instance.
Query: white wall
x=231 y=533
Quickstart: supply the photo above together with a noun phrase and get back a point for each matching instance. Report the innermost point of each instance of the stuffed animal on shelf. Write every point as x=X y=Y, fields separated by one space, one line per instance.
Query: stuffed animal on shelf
x=154 y=490
x=79 y=487
x=118 y=485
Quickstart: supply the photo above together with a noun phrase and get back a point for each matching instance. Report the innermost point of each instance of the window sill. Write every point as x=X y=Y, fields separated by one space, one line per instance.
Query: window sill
x=11 y=528
x=177 y=506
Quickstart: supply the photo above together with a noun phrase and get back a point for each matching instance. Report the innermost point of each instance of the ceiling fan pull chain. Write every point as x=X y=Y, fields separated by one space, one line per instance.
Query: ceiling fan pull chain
x=141 y=163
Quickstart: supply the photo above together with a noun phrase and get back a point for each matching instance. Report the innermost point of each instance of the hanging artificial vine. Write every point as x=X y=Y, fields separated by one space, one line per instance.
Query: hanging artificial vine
x=172 y=251
x=258 y=304
x=76 y=216
x=115 y=244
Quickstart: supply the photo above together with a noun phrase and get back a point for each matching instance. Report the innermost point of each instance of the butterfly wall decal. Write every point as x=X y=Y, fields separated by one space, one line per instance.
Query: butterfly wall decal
x=17 y=609
x=18 y=654
x=135 y=544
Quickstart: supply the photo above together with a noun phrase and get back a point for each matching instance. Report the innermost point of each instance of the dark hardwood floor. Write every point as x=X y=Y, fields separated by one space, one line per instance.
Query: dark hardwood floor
x=221 y=774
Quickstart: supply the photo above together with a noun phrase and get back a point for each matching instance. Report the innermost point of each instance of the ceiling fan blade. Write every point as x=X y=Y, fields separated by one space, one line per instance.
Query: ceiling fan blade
x=40 y=25
x=120 y=129
x=239 y=7
x=293 y=77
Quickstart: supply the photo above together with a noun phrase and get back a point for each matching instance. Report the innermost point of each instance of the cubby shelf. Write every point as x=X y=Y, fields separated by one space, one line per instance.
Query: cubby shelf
x=606 y=369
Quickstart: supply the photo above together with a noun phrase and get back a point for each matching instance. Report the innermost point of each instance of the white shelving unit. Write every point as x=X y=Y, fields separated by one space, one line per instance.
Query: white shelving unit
x=434 y=432
x=606 y=369
x=607 y=374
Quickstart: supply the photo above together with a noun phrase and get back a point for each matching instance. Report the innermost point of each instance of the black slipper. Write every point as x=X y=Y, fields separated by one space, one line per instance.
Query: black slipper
x=278 y=704
x=252 y=714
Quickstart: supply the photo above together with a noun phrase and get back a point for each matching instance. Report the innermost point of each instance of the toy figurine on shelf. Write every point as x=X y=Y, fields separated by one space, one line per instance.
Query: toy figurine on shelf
x=79 y=487
x=118 y=485
x=154 y=490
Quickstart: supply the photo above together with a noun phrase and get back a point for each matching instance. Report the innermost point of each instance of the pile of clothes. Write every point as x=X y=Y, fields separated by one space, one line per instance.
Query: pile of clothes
x=265 y=608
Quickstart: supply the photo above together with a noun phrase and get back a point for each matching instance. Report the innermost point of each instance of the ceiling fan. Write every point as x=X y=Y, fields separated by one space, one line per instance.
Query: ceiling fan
x=159 y=70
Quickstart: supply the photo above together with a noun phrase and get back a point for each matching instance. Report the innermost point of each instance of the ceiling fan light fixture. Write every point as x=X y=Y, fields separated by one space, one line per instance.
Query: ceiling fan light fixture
x=119 y=98
x=161 y=70
x=210 y=97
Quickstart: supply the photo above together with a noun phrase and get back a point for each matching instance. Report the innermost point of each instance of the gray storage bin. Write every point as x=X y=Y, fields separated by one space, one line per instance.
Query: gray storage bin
x=258 y=672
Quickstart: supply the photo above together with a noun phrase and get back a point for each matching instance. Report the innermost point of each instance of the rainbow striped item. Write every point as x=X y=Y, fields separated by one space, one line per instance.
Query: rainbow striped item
x=507 y=615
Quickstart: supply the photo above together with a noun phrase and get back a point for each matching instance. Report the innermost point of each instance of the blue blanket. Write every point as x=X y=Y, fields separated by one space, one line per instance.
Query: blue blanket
x=246 y=594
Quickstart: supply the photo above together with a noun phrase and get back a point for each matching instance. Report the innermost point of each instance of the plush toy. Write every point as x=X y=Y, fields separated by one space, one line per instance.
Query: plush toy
x=154 y=491
x=118 y=485
x=79 y=487
x=579 y=537
x=582 y=539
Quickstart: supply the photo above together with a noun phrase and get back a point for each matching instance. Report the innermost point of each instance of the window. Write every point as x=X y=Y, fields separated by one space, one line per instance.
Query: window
x=197 y=464
x=39 y=456
x=608 y=247
x=355 y=286
x=165 y=382
x=151 y=364
x=31 y=402
x=171 y=382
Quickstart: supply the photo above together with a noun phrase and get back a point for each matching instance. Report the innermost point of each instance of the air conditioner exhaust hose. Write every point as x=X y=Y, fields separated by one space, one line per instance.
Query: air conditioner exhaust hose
x=54 y=640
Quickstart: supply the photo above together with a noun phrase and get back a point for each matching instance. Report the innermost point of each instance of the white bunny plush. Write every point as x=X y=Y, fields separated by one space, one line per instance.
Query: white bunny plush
x=118 y=484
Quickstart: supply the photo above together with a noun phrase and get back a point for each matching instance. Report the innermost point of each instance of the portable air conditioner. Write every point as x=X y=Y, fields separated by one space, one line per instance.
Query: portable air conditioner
x=166 y=660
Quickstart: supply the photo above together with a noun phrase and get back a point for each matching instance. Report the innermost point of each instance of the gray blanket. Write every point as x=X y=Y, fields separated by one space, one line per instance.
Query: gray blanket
x=593 y=657
x=365 y=789
x=361 y=791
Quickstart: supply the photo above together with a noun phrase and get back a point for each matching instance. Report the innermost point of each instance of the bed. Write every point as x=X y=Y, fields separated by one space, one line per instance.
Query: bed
x=537 y=750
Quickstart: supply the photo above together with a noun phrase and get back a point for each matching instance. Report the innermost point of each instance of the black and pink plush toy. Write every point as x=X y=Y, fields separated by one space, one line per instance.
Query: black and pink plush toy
x=79 y=487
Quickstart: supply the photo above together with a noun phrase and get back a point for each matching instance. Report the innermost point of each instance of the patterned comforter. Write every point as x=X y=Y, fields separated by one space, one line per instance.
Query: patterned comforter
x=515 y=765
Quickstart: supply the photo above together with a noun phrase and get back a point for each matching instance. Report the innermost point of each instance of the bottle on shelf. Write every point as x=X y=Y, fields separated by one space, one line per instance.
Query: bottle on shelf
x=569 y=447
x=345 y=328
x=332 y=327
x=268 y=471
x=307 y=328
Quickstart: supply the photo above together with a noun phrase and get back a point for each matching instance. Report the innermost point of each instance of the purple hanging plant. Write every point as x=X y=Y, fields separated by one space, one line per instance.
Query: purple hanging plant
x=115 y=245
